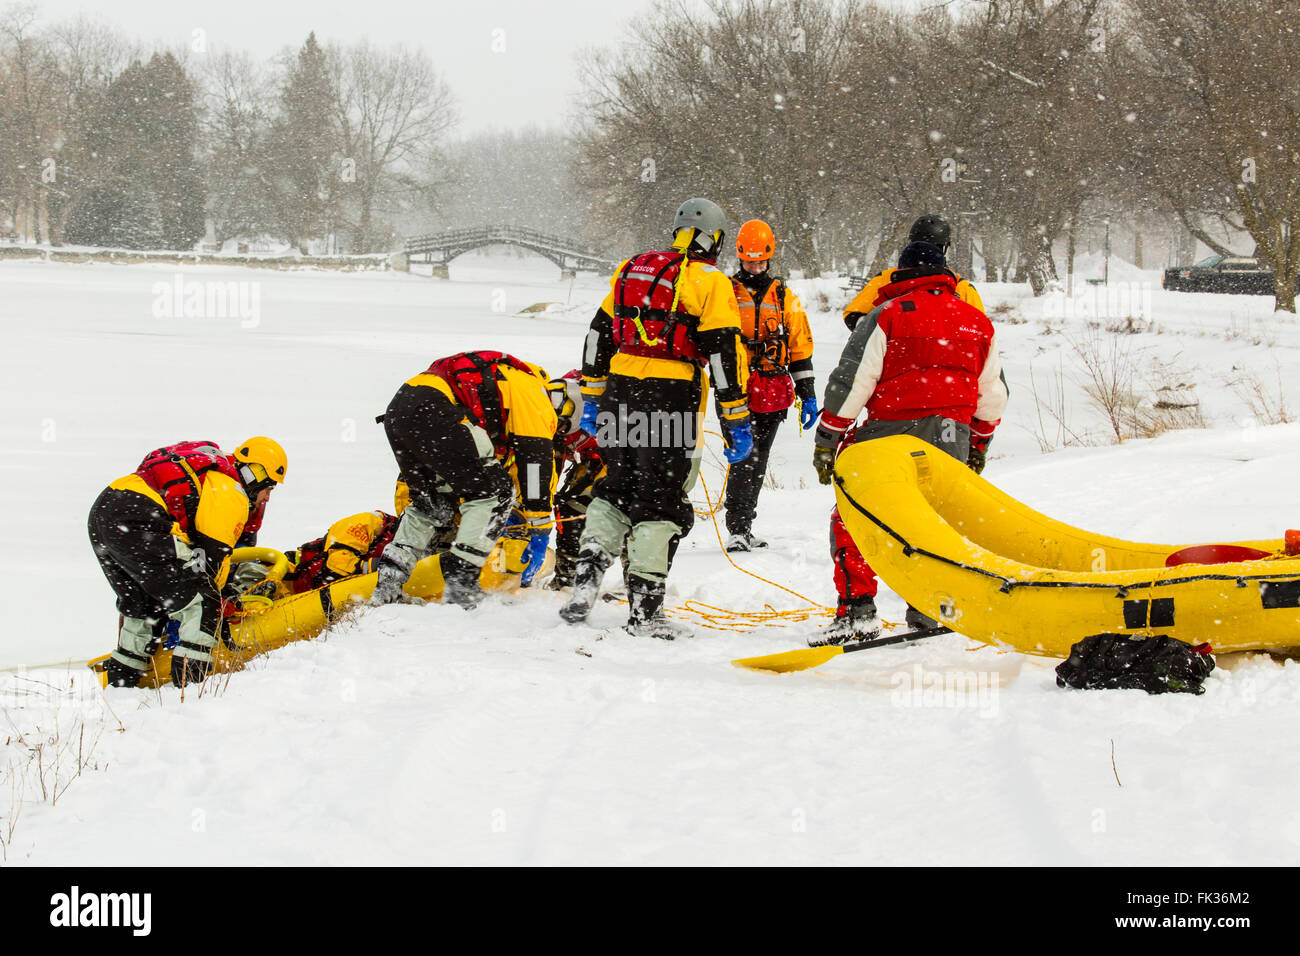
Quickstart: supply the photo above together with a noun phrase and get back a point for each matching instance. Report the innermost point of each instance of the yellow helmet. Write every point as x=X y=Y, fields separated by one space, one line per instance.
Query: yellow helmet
x=260 y=460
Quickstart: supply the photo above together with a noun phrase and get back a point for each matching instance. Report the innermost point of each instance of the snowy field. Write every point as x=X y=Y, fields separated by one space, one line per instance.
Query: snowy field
x=427 y=735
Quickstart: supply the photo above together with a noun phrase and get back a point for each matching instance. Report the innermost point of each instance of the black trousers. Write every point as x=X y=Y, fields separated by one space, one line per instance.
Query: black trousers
x=438 y=452
x=647 y=433
x=745 y=480
x=571 y=503
x=133 y=542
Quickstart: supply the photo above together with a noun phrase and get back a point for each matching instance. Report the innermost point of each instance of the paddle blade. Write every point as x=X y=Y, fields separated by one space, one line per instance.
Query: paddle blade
x=786 y=661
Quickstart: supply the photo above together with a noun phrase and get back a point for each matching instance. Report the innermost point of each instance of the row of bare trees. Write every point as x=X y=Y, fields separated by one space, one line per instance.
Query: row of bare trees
x=1023 y=121
x=104 y=143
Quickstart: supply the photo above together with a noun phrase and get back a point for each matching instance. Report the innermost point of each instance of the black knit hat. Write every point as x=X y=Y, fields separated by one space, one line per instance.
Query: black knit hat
x=920 y=254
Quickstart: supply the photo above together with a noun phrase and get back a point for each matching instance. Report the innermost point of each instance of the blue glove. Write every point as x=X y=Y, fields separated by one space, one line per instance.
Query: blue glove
x=589 y=412
x=807 y=413
x=740 y=442
x=535 y=556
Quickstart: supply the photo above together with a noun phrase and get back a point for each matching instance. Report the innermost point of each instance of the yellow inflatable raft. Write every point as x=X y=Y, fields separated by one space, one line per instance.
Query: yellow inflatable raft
x=989 y=567
x=257 y=630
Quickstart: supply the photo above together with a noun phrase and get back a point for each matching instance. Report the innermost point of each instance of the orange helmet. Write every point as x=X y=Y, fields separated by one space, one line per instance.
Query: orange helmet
x=755 y=241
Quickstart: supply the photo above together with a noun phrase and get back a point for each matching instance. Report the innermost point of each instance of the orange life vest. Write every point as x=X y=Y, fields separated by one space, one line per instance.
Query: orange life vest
x=762 y=327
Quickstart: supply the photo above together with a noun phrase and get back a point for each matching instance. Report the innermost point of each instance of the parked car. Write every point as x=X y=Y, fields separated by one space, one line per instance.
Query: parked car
x=1240 y=275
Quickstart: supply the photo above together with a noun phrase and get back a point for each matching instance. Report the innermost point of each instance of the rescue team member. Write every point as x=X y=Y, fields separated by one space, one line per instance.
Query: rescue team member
x=778 y=351
x=924 y=362
x=579 y=463
x=928 y=228
x=351 y=545
x=163 y=536
x=669 y=316
x=452 y=429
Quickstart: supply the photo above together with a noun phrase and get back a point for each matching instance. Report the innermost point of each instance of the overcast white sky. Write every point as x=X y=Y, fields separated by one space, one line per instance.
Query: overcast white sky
x=530 y=82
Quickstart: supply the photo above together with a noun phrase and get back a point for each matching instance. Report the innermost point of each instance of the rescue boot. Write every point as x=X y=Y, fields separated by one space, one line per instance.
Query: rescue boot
x=854 y=621
x=588 y=573
x=421 y=524
x=122 y=675
x=188 y=670
x=137 y=639
x=198 y=631
x=646 y=618
x=395 y=567
x=460 y=582
x=563 y=575
x=918 y=621
x=744 y=541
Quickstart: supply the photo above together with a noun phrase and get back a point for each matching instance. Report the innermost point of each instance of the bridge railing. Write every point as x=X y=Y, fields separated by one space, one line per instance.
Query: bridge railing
x=454 y=238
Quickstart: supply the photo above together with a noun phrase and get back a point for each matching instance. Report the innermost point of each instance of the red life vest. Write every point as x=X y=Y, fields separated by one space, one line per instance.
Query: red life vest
x=176 y=473
x=937 y=348
x=645 y=321
x=472 y=377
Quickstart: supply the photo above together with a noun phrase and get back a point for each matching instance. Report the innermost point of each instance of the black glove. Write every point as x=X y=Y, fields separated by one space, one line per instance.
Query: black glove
x=824 y=462
x=981 y=434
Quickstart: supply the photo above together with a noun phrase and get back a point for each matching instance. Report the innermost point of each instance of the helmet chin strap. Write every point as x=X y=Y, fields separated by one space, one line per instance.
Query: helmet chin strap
x=685 y=238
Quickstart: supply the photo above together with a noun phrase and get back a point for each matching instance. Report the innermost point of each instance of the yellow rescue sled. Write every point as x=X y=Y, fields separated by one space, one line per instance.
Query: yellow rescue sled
x=992 y=569
x=259 y=628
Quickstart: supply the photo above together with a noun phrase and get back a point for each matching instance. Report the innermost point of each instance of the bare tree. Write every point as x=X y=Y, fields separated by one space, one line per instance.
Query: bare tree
x=237 y=108
x=732 y=100
x=29 y=128
x=393 y=109
x=1220 y=101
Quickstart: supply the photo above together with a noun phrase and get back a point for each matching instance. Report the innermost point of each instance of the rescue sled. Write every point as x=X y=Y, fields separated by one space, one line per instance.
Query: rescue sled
x=259 y=628
x=994 y=570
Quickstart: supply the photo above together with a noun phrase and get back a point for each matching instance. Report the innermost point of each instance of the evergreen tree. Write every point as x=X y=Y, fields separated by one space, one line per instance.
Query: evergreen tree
x=151 y=195
x=300 y=152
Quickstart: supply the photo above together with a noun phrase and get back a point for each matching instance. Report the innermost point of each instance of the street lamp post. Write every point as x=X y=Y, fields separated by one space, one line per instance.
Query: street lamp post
x=1105 y=251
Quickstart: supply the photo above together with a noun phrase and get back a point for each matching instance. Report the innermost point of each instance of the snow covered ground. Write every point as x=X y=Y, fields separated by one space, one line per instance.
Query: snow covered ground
x=426 y=735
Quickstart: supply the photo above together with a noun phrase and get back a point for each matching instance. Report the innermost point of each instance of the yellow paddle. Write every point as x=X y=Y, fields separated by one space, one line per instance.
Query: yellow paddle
x=804 y=658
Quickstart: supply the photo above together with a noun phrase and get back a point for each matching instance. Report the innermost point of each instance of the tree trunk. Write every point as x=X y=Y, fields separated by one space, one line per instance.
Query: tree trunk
x=1040 y=268
x=1284 y=292
x=1069 y=256
x=994 y=255
x=890 y=246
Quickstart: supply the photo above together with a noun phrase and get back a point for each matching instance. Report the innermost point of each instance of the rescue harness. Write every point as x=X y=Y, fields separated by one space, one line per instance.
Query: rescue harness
x=769 y=348
x=176 y=473
x=647 y=321
x=472 y=377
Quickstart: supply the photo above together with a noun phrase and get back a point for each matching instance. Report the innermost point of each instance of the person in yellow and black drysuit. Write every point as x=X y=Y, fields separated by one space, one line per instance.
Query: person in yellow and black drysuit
x=163 y=536
x=928 y=228
x=669 y=316
x=351 y=545
x=579 y=466
x=779 y=348
x=452 y=429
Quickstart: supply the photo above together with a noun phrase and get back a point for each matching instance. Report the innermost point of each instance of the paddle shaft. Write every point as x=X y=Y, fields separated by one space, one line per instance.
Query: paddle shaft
x=903 y=638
